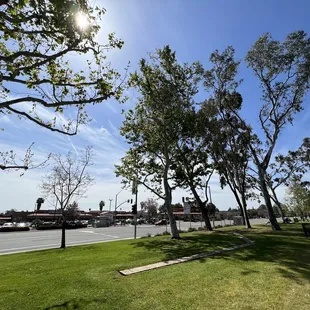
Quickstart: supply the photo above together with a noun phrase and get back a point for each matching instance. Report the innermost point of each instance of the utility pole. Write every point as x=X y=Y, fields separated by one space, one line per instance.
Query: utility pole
x=110 y=204
x=135 y=206
x=115 y=205
x=135 y=232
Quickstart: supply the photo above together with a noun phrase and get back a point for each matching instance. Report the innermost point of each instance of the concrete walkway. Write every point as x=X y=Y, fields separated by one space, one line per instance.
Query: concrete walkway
x=247 y=242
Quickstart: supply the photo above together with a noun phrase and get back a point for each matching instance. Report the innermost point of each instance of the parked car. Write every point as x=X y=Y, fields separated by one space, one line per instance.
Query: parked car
x=23 y=224
x=7 y=225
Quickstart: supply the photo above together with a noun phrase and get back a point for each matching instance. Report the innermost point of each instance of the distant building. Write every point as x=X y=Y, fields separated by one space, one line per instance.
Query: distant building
x=44 y=215
x=5 y=219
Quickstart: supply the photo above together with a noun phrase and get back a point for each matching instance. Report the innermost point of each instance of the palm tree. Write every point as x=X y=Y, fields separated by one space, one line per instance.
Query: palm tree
x=101 y=205
x=39 y=203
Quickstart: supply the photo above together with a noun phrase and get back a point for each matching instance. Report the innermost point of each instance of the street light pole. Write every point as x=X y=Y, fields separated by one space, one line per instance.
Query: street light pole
x=128 y=200
x=110 y=204
x=115 y=205
x=135 y=216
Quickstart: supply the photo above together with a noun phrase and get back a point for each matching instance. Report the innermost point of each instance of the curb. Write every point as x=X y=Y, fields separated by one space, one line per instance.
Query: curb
x=247 y=243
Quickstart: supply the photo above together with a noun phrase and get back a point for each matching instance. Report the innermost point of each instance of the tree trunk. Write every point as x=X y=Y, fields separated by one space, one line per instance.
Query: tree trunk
x=245 y=213
x=63 y=233
x=242 y=214
x=173 y=224
x=168 y=199
x=205 y=215
x=239 y=203
x=262 y=182
x=238 y=200
x=204 y=211
x=278 y=204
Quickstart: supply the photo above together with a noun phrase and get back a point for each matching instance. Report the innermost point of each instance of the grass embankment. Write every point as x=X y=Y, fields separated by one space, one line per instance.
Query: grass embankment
x=272 y=274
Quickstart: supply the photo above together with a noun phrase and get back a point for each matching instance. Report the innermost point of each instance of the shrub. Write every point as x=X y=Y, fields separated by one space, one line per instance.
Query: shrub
x=157 y=235
x=144 y=237
x=192 y=229
x=201 y=228
x=181 y=231
x=8 y=229
x=165 y=233
x=49 y=226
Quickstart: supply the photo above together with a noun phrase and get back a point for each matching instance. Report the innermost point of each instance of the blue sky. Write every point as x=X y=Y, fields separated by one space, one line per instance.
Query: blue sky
x=194 y=29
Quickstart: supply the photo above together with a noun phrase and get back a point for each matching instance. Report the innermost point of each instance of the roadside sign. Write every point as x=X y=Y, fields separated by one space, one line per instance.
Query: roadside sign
x=187 y=208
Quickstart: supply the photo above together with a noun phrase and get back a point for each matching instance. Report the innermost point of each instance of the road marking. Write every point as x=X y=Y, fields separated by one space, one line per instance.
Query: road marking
x=95 y=233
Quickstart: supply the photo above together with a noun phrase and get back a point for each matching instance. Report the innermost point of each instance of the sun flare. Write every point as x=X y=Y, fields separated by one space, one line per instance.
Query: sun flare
x=82 y=20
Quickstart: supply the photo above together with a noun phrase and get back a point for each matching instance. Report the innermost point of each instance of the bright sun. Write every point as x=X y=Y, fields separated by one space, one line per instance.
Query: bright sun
x=81 y=20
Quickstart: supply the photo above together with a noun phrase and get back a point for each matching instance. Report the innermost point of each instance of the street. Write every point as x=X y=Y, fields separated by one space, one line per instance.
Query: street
x=25 y=241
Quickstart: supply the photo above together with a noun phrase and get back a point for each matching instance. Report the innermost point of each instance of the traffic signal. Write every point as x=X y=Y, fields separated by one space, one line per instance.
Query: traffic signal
x=134 y=209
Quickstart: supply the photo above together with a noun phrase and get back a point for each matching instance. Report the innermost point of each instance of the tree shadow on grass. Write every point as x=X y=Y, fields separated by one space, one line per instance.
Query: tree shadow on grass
x=287 y=230
x=248 y=272
x=189 y=245
x=288 y=248
x=77 y=304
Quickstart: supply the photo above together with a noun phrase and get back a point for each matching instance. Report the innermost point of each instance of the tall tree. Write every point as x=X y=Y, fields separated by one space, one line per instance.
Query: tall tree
x=39 y=44
x=150 y=206
x=155 y=126
x=285 y=167
x=67 y=180
x=298 y=198
x=72 y=211
x=231 y=161
x=191 y=166
x=283 y=72
x=226 y=135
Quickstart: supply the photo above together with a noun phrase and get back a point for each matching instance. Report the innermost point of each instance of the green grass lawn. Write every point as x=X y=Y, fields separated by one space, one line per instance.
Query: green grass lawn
x=272 y=274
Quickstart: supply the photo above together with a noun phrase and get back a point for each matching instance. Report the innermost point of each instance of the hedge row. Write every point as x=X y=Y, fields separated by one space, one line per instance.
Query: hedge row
x=8 y=229
x=59 y=226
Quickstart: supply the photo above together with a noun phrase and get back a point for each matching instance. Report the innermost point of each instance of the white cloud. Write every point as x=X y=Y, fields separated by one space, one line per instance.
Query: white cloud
x=21 y=193
x=114 y=129
x=19 y=149
x=4 y=119
x=45 y=114
x=112 y=106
